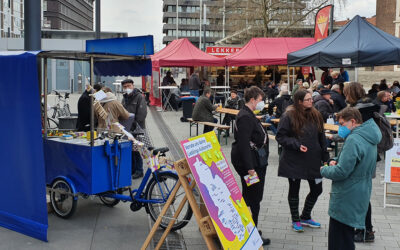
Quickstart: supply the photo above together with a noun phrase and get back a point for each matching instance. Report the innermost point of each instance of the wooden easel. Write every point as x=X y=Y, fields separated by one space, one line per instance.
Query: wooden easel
x=200 y=212
x=202 y=217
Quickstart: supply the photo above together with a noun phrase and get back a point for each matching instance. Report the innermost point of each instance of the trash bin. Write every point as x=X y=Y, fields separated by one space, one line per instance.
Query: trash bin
x=187 y=106
x=67 y=122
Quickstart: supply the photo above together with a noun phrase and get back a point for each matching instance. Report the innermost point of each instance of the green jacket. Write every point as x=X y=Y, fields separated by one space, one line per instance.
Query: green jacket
x=295 y=88
x=352 y=176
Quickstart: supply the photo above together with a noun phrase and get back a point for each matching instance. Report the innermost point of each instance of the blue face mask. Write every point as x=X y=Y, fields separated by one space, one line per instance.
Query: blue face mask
x=343 y=131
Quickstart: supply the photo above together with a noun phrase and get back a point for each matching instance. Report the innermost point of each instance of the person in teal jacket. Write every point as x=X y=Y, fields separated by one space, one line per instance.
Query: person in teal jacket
x=351 y=176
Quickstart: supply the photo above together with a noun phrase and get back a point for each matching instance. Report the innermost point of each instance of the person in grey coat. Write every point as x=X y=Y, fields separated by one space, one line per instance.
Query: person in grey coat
x=203 y=109
x=194 y=81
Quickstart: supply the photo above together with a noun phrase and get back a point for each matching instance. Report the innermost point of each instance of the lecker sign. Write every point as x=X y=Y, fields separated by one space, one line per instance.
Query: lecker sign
x=222 y=51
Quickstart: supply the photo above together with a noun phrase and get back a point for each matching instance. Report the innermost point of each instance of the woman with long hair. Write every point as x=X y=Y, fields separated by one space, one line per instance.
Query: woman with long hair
x=304 y=151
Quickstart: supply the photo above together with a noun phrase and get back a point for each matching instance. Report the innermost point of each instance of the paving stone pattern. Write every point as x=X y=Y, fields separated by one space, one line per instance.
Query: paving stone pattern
x=274 y=218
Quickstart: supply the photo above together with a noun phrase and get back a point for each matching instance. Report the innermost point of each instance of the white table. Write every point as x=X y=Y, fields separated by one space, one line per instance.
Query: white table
x=396 y=117
x=167 y=96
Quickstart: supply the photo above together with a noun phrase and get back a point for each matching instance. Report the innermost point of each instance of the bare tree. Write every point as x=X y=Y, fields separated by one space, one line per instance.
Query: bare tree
x=269 y=18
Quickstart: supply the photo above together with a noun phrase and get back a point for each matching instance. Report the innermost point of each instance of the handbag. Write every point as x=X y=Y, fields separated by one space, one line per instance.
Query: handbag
x=262 y=155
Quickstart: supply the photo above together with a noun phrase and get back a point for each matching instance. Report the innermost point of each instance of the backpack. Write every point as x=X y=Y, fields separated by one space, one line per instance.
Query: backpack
x=386 y=142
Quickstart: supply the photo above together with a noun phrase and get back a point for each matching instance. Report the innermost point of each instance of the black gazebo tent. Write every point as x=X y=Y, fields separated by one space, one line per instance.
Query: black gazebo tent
x=357 y=44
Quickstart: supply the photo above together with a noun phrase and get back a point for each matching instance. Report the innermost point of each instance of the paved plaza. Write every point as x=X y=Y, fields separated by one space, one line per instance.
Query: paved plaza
x=97 y=227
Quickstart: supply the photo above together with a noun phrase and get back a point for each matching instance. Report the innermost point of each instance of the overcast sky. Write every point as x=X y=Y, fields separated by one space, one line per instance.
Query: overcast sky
x=144 y=17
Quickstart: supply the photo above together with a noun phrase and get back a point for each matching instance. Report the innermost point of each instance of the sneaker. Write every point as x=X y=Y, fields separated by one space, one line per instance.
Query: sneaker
x=137 y=175
x=369 y=236
x=297 y=227
x=310 y=223
x=359 y=235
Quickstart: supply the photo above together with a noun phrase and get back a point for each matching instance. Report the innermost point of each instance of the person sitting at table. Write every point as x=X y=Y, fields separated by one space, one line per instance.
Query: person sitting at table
x=203 y=109
x=184 y=85
x=281 y=103
x=384 y=100
x=271 y=91
x=233 y=102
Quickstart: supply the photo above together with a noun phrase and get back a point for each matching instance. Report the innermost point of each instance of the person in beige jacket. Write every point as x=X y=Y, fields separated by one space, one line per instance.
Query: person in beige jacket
x=108 y=111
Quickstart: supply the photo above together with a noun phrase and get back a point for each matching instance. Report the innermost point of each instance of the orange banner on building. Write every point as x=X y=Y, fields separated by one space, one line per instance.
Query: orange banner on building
x=322 y=23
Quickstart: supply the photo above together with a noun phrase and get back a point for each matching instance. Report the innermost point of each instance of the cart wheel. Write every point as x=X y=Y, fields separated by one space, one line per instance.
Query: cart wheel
x=62 y=199
x=159 y=188
x=108 y=201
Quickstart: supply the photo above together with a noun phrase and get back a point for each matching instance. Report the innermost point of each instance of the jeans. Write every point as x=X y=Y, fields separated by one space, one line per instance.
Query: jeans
x=272 y=127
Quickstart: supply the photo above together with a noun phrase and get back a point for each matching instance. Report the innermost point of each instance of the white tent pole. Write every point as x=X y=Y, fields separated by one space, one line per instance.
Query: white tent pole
x=294 y=75
x=288 y=77
x=356 y=74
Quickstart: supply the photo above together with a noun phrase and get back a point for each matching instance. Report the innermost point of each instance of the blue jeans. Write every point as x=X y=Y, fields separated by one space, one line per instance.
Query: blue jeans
x=137 y=166
x=272 y=127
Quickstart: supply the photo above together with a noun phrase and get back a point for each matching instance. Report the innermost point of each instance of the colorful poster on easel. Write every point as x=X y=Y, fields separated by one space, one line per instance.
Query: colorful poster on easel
x=221 y=194
x=392 y=163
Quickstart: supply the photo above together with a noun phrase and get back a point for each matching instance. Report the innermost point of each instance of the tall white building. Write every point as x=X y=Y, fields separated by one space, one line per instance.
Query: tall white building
x=11 y=18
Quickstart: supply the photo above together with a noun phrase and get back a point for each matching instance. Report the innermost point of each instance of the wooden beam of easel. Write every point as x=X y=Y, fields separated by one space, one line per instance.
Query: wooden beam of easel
x=171 y=223
x=183 y=170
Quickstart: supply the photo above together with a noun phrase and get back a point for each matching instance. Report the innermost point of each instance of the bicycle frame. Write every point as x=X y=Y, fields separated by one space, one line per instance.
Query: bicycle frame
x=137 y=193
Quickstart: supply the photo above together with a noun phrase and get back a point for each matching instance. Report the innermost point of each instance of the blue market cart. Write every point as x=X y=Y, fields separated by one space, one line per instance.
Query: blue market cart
x=102 y=166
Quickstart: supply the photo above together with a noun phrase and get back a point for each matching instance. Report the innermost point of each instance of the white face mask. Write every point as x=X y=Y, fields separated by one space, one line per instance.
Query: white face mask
x=128 y=91
x=260 y=106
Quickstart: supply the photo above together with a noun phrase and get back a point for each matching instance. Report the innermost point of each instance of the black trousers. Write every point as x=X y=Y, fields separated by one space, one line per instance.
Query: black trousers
x=368 y=220
x=209 y=128
x=341 y=236
x=311 y=199
x=253 y=194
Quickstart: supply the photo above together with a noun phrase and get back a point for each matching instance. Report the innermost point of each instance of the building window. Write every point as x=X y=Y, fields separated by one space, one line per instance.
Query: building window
x=197 y=33
x=193 y=33
x=184 y=33
x=169 y=32
x=189 y=21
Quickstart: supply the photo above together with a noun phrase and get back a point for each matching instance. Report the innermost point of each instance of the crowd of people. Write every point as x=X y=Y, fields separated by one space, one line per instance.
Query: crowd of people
x=304 y=155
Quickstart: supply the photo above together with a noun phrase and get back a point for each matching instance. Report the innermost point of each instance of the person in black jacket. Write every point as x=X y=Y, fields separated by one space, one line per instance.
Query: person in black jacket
x=250 y=136
x=83 y=122
x=339 y=102
x=304 y=151
x=281 y=103
x=356 y=97
x=233 y=102
x=324 y=104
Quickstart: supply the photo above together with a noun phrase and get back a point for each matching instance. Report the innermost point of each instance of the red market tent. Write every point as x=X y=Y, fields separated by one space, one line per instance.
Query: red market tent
x=179 y=53
x=182 y=53
x=267 y=51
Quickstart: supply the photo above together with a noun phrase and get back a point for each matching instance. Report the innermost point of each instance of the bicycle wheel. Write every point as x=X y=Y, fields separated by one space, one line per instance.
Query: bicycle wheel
x=159 y=188
x=62 y=199
x=108 y=201
x=51 y=123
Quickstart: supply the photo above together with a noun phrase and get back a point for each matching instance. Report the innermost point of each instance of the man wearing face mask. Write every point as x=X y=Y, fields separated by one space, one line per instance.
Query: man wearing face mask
x=351 y=175
x=135 y=103
x=250 y=151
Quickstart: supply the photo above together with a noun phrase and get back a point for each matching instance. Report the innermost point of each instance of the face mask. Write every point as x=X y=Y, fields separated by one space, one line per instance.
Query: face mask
x=343 y=131
x=128 y=91
x=260 y=106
